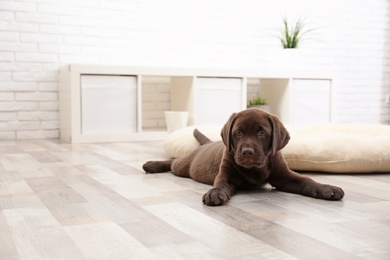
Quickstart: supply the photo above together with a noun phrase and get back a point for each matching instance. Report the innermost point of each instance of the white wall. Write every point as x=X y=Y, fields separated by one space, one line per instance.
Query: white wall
x=352 y=38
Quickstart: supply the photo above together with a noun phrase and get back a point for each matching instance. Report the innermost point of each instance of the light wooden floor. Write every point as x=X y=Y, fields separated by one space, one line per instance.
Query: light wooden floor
x=62 y=201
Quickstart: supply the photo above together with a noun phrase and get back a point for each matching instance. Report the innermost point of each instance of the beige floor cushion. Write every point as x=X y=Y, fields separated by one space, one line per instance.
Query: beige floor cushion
x=337 y=148
x=182 y=142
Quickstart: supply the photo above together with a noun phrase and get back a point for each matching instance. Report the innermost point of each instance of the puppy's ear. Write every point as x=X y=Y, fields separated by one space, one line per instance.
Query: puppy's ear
x=226 y=132
x=280 y=135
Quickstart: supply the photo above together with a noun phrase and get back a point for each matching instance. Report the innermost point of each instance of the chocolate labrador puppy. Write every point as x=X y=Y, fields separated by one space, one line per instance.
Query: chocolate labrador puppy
x=248 y=157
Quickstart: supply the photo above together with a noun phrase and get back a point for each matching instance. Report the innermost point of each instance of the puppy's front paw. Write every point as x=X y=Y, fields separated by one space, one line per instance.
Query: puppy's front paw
x=329 y=192
x=215 y=197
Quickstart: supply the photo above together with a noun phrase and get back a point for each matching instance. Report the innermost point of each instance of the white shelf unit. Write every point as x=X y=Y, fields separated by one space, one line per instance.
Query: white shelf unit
x=209 y=95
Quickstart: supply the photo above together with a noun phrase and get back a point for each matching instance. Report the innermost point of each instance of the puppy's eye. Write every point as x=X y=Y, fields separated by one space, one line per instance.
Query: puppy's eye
x=239 y=133
x=261 y=133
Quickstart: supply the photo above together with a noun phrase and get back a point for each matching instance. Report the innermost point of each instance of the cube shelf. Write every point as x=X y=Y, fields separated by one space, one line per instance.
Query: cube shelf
x=107 y=103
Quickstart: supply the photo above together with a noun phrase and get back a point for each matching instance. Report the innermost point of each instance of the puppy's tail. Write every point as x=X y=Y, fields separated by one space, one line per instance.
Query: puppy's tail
x=202 y=139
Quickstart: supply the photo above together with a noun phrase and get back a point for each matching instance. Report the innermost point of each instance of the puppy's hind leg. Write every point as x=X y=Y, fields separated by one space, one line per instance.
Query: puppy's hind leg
x=157 y=166
x=179 y=167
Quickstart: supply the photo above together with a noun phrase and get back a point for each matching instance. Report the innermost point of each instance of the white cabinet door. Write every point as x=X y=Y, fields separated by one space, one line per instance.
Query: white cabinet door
x=216 y=99
x=310 y=101
x=108 y=104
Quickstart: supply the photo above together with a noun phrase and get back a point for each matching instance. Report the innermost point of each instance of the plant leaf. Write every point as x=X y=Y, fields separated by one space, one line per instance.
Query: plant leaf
x=292 y=35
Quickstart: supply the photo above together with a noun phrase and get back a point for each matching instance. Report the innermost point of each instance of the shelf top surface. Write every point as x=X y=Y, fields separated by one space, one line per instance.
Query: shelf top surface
x=192 y=72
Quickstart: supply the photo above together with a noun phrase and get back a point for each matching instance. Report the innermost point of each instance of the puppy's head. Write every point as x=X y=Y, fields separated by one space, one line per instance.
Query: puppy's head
x=252 y=135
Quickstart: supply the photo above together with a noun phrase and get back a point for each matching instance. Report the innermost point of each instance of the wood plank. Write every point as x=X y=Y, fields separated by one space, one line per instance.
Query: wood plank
x=107 y=241
x=53 y=191
x=16 y=193
x=7 y=245
x=44 y=157
x=37 y=235
x=216 y=237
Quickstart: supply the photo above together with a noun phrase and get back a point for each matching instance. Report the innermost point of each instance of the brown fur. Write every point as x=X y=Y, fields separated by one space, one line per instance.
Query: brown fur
x=248 y=157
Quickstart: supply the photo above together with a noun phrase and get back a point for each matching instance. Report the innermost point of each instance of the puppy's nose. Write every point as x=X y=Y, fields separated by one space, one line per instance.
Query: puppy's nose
x=248 y=151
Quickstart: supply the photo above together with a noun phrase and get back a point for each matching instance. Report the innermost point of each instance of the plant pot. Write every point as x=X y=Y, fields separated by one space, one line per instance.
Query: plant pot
x=286 y=59
x=176 y=120
x=263 y=107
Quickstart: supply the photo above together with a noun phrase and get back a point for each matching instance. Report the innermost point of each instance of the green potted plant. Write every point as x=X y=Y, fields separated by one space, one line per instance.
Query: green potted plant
x=292 y=35
x=259 y=102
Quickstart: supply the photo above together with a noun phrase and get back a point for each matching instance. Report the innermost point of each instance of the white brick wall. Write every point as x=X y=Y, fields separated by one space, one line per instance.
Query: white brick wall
x=37 y=37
